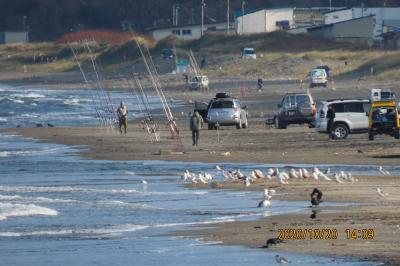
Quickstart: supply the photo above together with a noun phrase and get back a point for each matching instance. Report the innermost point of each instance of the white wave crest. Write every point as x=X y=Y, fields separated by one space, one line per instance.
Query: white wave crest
x=13 y=210
x=66 y=189
x=3 y=120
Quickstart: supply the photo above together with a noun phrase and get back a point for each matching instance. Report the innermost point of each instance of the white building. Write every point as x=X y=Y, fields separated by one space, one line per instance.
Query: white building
x=384 y=16
x=9 y=37
x=186 y=32
x=264 y=20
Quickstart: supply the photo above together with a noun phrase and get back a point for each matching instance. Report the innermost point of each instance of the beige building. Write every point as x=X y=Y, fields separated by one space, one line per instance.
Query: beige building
x=186 y=32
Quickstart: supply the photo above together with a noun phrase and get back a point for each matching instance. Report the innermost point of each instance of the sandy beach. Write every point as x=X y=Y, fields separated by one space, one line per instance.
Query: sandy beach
x=259 y=143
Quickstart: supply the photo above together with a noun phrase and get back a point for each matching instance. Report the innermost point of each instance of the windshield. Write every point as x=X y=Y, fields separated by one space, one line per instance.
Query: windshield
x=383 y=114
x=316 y=73
x=303 y=99
x=222 y=104
x=249 y=51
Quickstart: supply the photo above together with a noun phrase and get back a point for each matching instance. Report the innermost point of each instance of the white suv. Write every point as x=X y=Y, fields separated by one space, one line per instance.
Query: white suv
x=350 y=117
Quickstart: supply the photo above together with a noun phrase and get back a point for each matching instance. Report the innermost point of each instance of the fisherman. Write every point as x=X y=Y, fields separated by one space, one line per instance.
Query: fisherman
x=260 y=84
x=122 y=116
x=196 y=123
x=330 y=115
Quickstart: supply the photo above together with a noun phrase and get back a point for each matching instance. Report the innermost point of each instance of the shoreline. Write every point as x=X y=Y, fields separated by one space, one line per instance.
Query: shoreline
x=260 y=144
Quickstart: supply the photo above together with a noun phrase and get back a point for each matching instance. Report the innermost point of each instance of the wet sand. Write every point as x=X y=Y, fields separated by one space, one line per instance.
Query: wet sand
x=381 y=214
x=258 y=143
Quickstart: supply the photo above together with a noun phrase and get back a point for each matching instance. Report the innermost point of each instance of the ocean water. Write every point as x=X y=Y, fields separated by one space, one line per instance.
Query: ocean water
x=59 y=209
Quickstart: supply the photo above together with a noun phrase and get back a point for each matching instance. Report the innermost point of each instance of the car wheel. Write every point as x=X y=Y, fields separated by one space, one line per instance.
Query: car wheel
x=245 y=124
x=239 y=125
x=279 y=124
x=397 y=134
x=210 y=126
x=340 y=131
x=370 y=136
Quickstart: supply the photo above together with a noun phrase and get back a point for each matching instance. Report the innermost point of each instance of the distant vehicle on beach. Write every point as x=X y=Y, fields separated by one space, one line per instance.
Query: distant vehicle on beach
x=248 y=52
x=318 y=77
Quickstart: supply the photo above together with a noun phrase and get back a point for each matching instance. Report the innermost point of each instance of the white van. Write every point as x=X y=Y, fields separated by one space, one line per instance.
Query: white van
x=350 y=117
x=248 y=53
x=318 y=77
x=198 y=83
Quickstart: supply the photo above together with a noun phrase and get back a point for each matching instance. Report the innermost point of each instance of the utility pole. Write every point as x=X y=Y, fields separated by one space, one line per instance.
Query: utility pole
x=227 y=19
x=243 y=3
x=202 y=17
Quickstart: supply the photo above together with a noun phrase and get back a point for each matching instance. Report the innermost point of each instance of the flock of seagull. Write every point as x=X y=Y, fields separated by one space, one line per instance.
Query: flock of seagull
x=272 y=174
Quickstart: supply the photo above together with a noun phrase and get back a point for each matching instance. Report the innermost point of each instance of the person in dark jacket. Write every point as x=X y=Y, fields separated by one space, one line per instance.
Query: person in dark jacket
x=330 y=115
x=196 y=123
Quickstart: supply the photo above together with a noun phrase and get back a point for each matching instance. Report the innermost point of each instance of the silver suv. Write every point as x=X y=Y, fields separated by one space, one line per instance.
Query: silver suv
x=349 y=117
x=227 y=112
x=295 y=108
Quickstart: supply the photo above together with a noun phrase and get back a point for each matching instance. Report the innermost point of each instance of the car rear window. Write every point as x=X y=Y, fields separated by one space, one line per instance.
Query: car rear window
x=338 y=107
x=222 y=104
x=302 y=99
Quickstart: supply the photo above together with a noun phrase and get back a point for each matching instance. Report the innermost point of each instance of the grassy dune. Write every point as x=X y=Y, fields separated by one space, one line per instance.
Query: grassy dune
x=280 y=55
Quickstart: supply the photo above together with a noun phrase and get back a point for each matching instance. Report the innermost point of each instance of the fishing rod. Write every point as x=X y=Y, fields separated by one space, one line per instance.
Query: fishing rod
x=157 y=86
x=171 y=123
x=110 y=107
x=99 y=116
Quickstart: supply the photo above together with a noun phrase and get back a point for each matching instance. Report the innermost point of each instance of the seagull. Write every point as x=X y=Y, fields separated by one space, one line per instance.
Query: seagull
x=316 y=197
x=315 y=176
x=337 y=178
x=271 y=172
x=218 y=168
x=381 y=193
x=293 y=174
x=383 y=171
x=268 y=193
x=144 y=182
x=281 y=260
x=264 y=203
x=272 y=241
x=305 y=173
x=247 y=182
x=258 y=173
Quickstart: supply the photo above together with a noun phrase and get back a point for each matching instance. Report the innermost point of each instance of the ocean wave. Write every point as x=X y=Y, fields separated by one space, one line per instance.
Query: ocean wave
x=116 y=229
x=32 y=95
x=71 y=102
x=104 y=203
x=14 y=210
x=3 y=120
x=27 y=152
x=29 y=189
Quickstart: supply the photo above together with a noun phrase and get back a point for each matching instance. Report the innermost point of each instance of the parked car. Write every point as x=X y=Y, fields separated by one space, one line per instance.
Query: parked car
x=318 y=77
x=382 y=95
x=248 y=52
x=198 y=83
x=167 y=54
x=383 y=118
x=327 y=70
x=349 y=117
x=227 y=112
x=295 y=108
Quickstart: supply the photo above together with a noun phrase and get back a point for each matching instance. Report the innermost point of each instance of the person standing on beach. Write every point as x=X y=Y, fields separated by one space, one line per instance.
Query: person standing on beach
x=330 y=115
x=122 y=117
x=196 y=123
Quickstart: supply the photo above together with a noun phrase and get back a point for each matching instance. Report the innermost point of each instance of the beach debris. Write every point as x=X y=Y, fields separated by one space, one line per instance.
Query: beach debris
x=383 y=171
x=380 y=192
x=281 y=260
x=316 y=197
x=272 y=241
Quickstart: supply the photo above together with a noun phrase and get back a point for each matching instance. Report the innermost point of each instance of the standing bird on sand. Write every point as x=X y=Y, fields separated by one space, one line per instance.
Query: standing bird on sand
x=272 y=241
x=281 y=260
x=264 y=203
x=380 y=192
x=383 y=171
x=316 y=197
